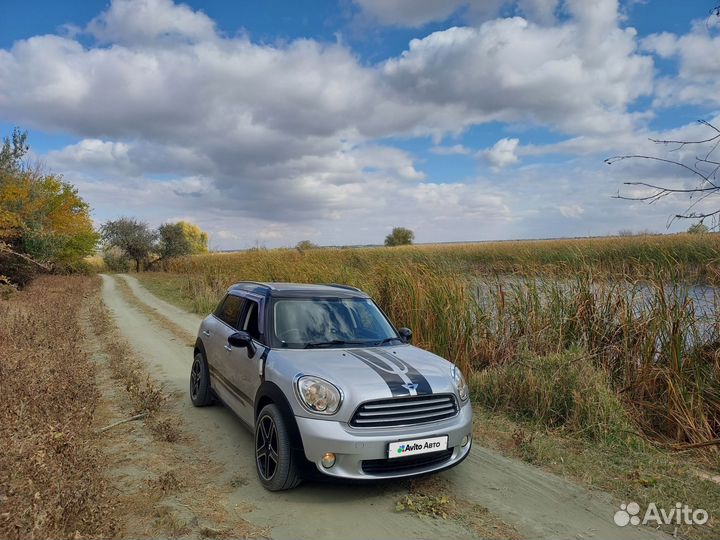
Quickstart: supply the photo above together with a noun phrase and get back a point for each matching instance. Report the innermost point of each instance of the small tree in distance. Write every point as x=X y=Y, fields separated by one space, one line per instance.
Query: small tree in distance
x=303 y=245
x=179 y=239
x=400 y=236
x=698 y=228
x=133 y=237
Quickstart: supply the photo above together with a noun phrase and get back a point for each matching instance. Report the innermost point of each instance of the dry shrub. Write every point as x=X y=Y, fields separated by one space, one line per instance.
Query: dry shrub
x=165 y=429
x=558 y=391
x=167 y=482
x=51 y=473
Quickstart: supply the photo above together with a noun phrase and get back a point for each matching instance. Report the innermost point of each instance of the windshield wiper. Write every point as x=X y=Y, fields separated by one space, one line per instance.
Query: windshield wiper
x=318 y=344
x=388 y=340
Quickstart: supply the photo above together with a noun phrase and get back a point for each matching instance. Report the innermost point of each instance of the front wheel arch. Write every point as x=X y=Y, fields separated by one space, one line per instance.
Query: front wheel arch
x=270 y=392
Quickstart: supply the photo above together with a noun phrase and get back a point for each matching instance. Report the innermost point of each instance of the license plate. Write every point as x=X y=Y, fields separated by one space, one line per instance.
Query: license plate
x=415 y=447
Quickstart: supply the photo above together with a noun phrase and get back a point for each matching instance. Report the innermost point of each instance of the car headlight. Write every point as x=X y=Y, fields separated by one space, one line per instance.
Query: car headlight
x=460 y=384
x=318 y=395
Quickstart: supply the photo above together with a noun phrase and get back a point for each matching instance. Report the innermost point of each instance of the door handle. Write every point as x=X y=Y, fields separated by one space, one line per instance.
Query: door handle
x=206 y=333
x=228 y=348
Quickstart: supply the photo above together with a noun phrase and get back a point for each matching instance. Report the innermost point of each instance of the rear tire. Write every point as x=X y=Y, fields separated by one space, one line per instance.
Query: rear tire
x=200 y=393
x=275 y=460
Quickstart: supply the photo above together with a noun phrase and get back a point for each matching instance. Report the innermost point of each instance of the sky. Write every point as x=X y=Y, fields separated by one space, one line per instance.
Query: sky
x=267 y=123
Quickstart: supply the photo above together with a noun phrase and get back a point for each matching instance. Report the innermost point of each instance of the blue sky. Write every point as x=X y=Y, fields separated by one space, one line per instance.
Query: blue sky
x=333 y=121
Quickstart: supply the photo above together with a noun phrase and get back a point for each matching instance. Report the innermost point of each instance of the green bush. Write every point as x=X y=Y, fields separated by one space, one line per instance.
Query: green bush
x=116 y=261
x=557 y=391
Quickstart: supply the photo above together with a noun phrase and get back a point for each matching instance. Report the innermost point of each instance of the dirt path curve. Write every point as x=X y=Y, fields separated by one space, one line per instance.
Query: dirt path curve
x=536 y=503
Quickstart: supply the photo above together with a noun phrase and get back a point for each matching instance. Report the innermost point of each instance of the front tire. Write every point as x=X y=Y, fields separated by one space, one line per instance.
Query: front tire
x=275 y=460
x=200 y=393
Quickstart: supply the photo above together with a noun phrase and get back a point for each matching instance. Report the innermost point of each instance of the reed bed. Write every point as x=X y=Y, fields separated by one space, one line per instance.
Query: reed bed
x=597 y=336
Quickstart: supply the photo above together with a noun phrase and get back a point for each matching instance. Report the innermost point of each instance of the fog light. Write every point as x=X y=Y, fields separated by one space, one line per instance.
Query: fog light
x=465 y=440
x=328 y=460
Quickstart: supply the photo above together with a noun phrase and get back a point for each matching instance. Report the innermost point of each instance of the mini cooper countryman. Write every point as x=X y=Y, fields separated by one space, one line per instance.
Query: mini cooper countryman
x=328 y=386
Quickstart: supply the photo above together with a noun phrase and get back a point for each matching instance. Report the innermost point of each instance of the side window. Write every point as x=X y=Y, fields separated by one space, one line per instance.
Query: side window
x=251 y=320
x=229 y=311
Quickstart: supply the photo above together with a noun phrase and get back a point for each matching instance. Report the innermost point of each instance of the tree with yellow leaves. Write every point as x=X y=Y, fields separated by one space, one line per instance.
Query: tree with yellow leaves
x=181 y=238
x=42 y=218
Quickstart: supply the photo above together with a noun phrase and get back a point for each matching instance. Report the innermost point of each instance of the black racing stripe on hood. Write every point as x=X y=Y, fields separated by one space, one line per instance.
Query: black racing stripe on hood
x=388 y=374
x=423 y=386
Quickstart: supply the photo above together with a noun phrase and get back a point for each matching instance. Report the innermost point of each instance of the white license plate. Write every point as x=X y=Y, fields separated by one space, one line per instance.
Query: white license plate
x=415 y=447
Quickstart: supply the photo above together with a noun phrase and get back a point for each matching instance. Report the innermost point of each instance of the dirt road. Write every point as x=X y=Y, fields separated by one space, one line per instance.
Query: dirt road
x=535 y=503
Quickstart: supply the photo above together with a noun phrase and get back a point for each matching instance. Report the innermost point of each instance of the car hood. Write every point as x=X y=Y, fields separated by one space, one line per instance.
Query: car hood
x=364 y=374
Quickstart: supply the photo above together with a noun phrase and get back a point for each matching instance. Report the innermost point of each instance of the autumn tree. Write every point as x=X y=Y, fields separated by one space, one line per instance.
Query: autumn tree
x=181 y=238
x=135 y=238
x=400 y=236
x=43 y=219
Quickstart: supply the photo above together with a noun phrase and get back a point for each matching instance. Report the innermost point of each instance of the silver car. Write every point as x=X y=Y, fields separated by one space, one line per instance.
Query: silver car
x=328 y=386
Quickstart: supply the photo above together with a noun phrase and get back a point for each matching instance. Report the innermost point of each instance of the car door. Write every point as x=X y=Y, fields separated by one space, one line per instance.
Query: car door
x=220 y=327
x=244 y=372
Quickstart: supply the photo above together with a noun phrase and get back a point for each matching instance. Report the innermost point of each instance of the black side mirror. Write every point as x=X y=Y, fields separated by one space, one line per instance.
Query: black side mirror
x=242 y=339
x=405 y=334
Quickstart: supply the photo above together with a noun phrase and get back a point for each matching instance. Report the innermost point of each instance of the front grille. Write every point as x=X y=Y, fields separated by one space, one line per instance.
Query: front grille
x=405 y=411
x=406 y=464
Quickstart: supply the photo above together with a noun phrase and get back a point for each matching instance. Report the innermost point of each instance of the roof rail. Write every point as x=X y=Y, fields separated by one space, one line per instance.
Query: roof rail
x=258 y=283
x=339 y=286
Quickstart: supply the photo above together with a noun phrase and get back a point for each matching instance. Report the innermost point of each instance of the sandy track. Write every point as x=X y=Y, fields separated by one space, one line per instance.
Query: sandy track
x=536 y=503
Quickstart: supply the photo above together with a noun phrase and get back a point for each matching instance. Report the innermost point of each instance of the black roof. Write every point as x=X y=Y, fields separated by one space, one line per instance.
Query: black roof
x=303 y=290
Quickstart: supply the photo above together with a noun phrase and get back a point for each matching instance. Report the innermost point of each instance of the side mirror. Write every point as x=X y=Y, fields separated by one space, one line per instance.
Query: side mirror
x=405 y=334
x=242 y=339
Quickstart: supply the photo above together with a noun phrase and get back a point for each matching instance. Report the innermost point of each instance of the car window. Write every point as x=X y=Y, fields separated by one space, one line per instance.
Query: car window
x=229 y=311
x=298 y=322
x=251 y=320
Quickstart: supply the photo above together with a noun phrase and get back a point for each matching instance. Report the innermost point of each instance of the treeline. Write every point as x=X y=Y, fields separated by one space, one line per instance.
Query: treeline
x=45 y=226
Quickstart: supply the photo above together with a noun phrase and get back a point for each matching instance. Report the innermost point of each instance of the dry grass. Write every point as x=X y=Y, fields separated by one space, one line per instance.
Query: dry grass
x=51 y=471
x=694 y=257
x=432 y=497
x=557 y=391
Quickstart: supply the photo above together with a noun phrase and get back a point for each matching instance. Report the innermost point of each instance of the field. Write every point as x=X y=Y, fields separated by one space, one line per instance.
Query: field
x=616 y=318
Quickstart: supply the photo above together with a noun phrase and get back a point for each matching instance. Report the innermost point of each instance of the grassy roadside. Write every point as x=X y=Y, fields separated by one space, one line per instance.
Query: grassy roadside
x=169 y=287
x=51 y=468
x=560 y=413
x=631 y=472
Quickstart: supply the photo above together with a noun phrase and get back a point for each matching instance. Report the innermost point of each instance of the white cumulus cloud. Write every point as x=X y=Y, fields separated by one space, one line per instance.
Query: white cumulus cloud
x=502 y=153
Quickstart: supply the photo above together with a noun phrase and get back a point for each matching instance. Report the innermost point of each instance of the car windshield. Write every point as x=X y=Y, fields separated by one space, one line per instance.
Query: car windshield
x=329 y=322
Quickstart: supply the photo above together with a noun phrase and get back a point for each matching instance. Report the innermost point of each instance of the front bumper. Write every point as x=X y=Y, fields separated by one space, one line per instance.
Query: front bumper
x=352 y=446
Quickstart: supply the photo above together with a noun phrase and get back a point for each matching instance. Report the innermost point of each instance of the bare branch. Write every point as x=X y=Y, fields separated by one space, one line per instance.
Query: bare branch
x=706 y=188
x=615 y=159
x=5 y=248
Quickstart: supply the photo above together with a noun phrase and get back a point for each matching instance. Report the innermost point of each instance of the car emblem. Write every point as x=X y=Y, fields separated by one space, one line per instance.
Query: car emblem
x=410 y=386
